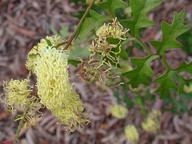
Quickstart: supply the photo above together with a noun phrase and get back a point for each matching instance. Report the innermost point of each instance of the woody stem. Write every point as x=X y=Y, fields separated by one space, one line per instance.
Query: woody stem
x=77 y=28
x=21 y=123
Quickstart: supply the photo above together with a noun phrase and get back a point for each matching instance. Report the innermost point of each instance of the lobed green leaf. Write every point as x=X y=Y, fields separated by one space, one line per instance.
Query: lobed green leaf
x=184 y=67
x=74 y=62
x=166 y=82
x=140 y=9
x=170 y=32
x=142 y=72
x=112 y=5
x=91 y=22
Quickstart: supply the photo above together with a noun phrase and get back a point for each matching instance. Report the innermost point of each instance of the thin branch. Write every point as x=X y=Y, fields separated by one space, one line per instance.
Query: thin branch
x=78 y=26
x=65 y=42
x=143 y=45
x=165 y=63
x=21 y=123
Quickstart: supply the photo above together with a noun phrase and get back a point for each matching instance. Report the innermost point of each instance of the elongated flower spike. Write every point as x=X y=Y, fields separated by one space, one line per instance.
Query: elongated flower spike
x=55 y=90
x=33 y=55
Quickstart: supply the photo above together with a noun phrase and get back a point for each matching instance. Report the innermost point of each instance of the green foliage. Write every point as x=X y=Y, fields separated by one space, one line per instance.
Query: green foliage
x=178 y=102
x=183 y=82
x=32 y=55
x=76 y=52
x=186 y=40
x=140 y=8
x=48 y=42
x=79 y=14
x=125 y=97
x=123 y=53
x=172 y=79
x=170 y=32
x=91 y=22
x=142 y=72
x=74 y=62
x=184 y=67
x=112 y=5
x=63 y=32
x=167 y=82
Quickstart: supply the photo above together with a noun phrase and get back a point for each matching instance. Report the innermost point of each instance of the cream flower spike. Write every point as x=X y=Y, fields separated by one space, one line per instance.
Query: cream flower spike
x=17 y=93
x=55 y=90
x=52 y=77
x=33 y=55
x=18 y=97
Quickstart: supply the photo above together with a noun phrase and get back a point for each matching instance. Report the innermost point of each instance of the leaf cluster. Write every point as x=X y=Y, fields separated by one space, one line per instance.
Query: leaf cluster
x=172 y=78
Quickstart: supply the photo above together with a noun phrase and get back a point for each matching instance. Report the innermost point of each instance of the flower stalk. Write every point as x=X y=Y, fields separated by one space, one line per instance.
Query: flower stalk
x=21 y=123
x=77 y=29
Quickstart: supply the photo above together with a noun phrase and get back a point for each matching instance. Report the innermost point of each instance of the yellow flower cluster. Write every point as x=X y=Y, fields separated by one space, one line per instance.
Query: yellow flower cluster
x=50 y=64
x=18 y=97
x=54 y=88
x=104 y=56
x=152 y=122
x=119 y=111
x=17 y=93
x=112 y=30
x=132 y=134
x=33 y=55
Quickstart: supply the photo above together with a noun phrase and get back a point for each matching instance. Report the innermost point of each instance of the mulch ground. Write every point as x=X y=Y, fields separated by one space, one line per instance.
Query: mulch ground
x=24 y=22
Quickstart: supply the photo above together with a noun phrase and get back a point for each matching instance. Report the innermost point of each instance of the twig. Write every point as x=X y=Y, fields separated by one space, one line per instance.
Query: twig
x=165 y=63
x=143 y=45
x=21 y=123
x=65 y=42
x=77 y=29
